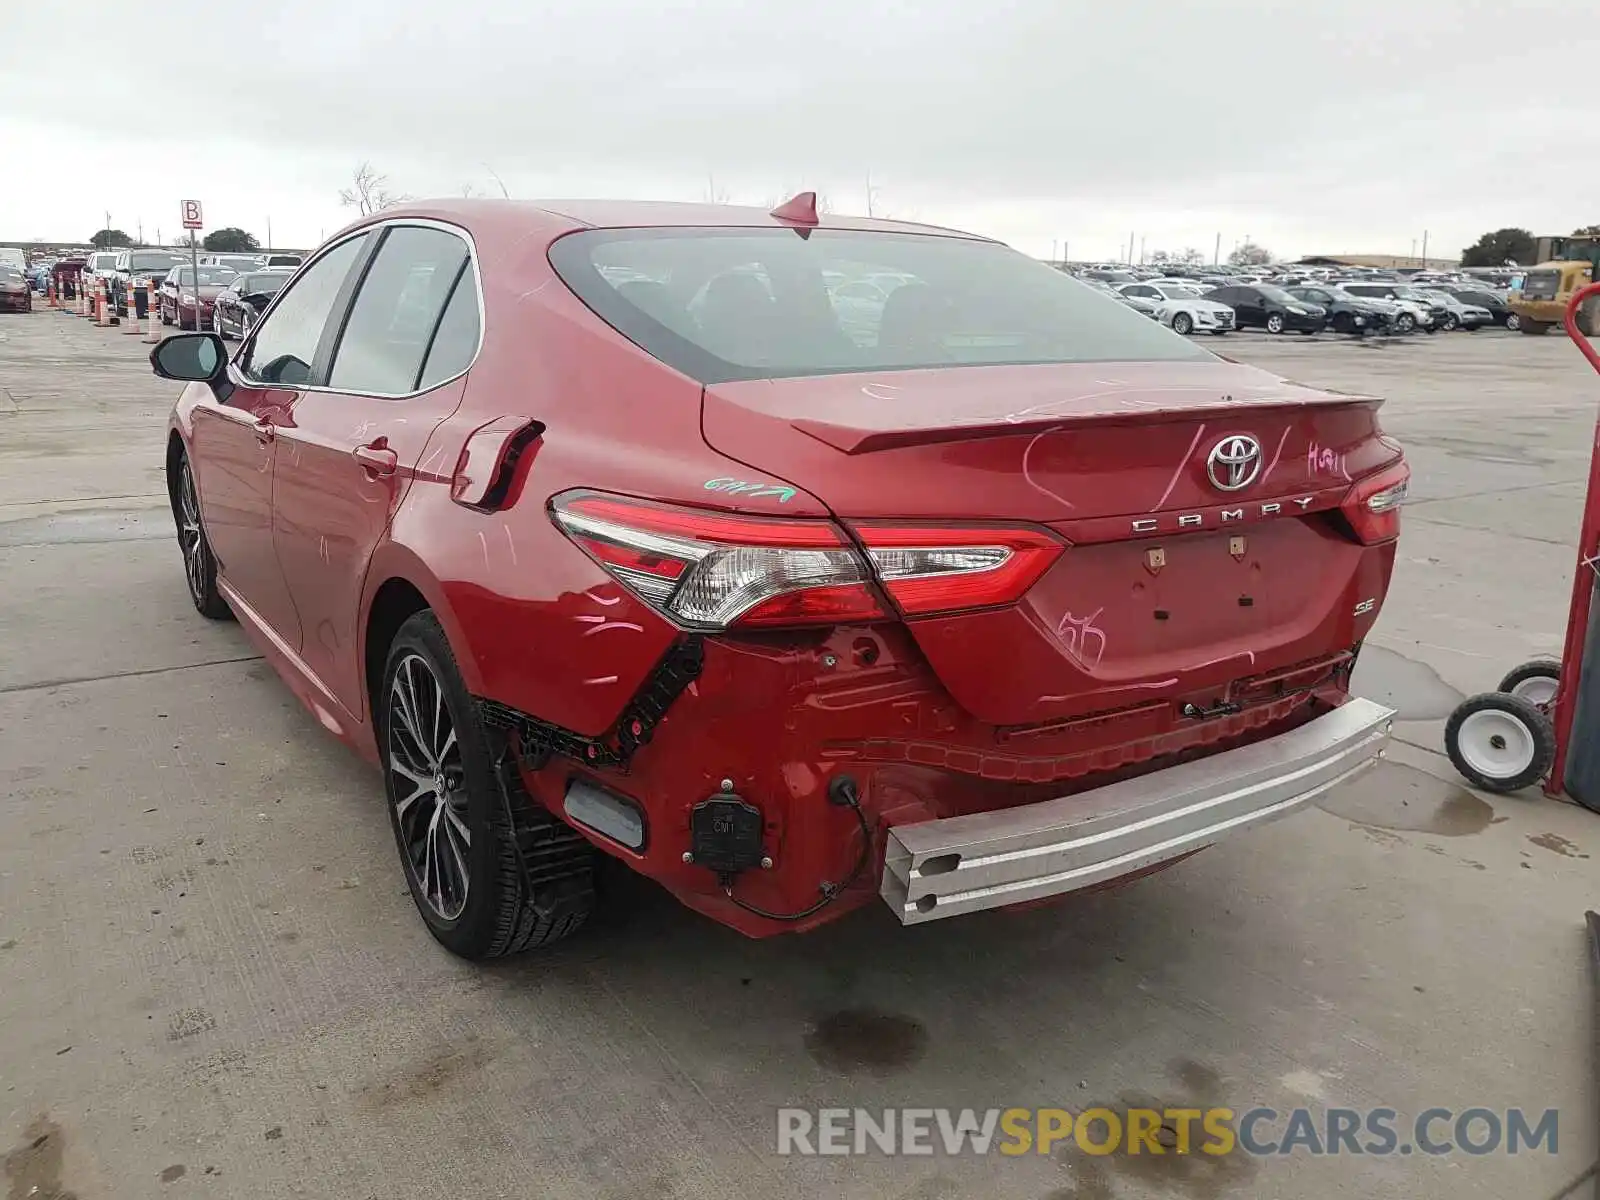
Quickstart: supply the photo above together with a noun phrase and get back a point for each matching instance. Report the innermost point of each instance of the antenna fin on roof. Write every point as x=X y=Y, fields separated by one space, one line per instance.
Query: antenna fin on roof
x=800 y=209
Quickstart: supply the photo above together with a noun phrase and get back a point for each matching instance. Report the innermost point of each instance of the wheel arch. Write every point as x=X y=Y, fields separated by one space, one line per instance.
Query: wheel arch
x=398 y=586
x=175 y=452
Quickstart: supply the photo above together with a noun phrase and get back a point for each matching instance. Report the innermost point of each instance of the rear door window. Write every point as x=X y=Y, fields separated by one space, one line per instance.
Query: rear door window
x=397 y=311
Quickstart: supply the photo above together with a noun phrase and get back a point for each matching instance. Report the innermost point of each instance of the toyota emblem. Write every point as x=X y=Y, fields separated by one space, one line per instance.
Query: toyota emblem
x=1234 y=462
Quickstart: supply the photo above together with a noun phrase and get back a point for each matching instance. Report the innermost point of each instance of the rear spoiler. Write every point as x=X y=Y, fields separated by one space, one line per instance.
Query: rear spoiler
x=1128 y=410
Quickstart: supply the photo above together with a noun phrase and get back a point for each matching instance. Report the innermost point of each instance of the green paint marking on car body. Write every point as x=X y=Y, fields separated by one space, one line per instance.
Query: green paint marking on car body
x=755 y=490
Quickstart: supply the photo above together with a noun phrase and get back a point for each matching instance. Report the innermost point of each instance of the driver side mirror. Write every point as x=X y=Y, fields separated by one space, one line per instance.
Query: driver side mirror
x=192 y=358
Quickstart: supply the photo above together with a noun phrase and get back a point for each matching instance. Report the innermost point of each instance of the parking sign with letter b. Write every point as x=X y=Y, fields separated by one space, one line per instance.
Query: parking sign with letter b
x=191 y=214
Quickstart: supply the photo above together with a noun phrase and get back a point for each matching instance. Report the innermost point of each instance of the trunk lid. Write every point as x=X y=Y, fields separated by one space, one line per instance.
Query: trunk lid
x=1176 y=583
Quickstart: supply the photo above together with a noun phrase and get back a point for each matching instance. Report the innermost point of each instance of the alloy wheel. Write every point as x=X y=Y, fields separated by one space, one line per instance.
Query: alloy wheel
x=429 y=786
x=190 y=537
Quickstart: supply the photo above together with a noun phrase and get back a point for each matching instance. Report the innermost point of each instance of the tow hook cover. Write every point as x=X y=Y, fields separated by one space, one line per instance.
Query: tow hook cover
x=725 y=834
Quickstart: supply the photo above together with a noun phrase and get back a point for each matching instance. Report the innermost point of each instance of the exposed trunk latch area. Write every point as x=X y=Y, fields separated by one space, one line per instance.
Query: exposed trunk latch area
x=538 y=741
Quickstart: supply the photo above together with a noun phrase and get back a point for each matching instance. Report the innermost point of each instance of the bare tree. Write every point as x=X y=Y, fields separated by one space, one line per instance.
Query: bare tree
x=469 y=191
x=1250 y=255
x=369 y=191
x=715 y=194
x=504 y=191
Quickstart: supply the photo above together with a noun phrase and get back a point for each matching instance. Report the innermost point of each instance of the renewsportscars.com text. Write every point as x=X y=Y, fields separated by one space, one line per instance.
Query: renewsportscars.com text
x=1259 y=1132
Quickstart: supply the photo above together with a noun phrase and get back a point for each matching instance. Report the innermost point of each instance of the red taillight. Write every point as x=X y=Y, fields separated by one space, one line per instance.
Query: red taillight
x=1372 y=506
x=712 y=569
x=940 y=569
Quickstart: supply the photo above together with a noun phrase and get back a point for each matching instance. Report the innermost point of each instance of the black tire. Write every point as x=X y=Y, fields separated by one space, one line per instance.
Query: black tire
x=1312 y=332
x=504 y=905
x=1533 y=328
x=1275 y=323
x=1405 y=323
x=1182 y=323
x=1344 y=323
x=1219 y=333
x=1500 y=743
x=199 y=563
x=217 y=326
x=165 y=320
x=1534 y=682
x=1513 y=321
x=1451 y=322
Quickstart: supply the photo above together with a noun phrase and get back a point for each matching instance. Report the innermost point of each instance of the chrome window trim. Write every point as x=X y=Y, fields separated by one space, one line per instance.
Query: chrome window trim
x=240 y=379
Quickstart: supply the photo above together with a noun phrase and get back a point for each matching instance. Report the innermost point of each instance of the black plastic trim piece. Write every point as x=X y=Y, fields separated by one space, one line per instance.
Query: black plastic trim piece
x=539 y=740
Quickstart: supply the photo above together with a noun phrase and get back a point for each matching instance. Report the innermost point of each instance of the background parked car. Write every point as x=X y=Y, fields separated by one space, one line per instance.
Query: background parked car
x=184 y=304
x=1346 y=313
x=234 y=262
x=1183 y=308
x=281 y=260
x=138 y=269
x=1425 y=314
x=98 y=266
x=1139 y=304
x=1459 y=314
x=244 y=299
x=1264 y=306
x=1500 y=313
x=15 y=294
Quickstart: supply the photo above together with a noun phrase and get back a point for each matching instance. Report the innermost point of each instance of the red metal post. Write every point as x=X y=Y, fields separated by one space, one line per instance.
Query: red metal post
x=1583 y=579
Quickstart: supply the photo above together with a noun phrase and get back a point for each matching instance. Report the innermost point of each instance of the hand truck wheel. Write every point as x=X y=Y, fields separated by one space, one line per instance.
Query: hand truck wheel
x=1534 y=681
x=1500 y=742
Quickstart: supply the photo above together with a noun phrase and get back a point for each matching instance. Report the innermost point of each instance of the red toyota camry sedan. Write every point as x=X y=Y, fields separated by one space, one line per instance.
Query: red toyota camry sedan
x=793 y=561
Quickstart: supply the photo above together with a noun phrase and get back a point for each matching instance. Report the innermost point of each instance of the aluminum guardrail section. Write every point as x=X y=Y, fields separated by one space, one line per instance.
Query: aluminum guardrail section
x=985 y=860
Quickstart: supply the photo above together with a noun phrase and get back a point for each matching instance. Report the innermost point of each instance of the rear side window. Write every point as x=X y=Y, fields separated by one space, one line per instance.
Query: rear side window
x=456 y=341
x=285 y=345
x=728 y=304
x=397 y=310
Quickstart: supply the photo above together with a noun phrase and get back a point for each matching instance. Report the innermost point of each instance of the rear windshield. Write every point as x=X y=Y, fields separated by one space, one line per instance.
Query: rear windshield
x=267 y=285
x=208 y=275
x=729 y=304
x=152 y=262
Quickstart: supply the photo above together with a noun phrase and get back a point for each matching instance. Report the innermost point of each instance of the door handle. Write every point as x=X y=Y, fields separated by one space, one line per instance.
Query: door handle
x=376 y=457
x=265 y=432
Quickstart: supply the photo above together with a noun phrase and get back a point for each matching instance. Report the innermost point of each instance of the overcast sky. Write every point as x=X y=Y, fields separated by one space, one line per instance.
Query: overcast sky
x=1309 y=128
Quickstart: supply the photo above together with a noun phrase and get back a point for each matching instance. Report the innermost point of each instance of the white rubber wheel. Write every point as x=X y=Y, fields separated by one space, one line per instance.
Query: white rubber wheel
x=1500 y=742
x=1536 y=682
